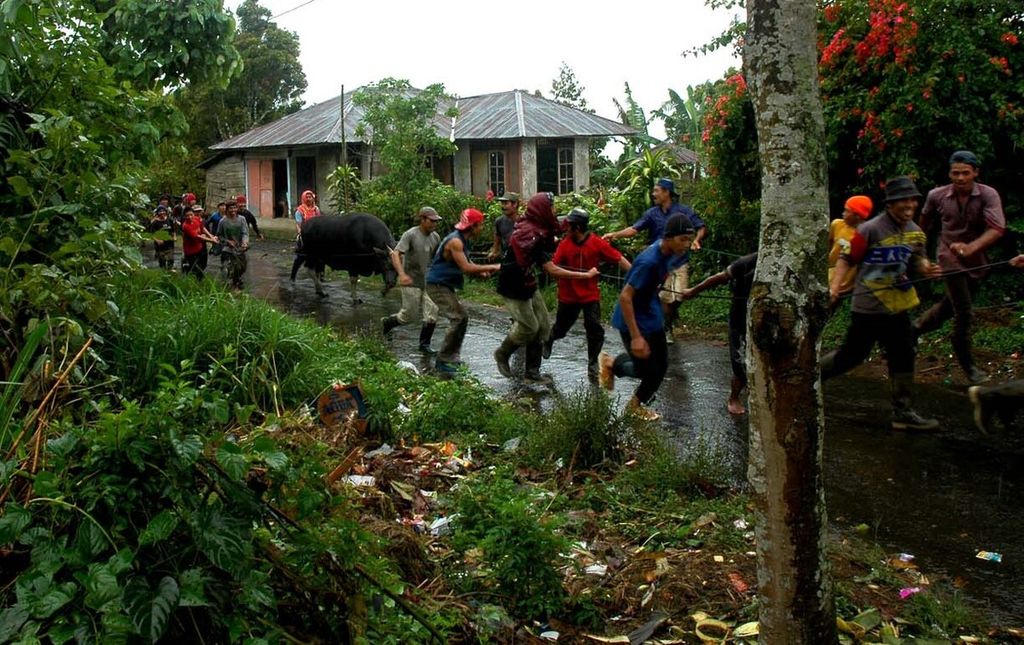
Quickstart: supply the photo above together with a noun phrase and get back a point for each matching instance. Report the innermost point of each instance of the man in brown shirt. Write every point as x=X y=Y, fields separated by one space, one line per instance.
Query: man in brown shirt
x=971 y=219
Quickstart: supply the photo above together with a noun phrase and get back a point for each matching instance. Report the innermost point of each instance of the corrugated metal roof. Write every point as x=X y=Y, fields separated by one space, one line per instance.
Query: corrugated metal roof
x=505 y=115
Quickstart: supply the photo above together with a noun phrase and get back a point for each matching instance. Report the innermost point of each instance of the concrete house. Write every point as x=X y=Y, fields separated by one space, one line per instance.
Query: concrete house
x=507 y=142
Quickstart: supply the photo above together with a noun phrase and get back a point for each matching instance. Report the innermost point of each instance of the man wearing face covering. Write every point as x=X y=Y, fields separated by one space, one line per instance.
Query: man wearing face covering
x=531 y=246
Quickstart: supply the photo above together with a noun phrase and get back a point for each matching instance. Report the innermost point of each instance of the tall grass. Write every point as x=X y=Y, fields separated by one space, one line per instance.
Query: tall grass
x=250 y=351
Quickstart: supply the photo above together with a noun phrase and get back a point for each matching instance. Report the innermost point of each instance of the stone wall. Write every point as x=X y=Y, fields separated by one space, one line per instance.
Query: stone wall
x=224 y=180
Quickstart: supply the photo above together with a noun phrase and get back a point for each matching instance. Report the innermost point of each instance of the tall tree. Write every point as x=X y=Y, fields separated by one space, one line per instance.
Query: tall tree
x=400 y=125
x=787 y=314
x=567 y=90
x=269 y=86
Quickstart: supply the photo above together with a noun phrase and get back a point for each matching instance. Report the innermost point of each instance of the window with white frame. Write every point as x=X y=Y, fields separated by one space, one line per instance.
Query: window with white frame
x=566 y=184
x=496 y=172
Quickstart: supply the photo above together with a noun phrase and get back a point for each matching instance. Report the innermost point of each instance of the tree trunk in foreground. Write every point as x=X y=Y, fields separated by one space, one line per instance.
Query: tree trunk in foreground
x=787 y=314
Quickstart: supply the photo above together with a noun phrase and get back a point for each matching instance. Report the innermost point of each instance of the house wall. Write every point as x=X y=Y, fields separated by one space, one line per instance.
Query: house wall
x=528 y=164
x=224 y=180
x=581 y=164
x=463 y=168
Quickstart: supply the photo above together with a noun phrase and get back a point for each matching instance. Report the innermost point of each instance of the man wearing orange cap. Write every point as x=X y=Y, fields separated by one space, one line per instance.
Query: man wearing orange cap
x=856 y=210
x=446 y=276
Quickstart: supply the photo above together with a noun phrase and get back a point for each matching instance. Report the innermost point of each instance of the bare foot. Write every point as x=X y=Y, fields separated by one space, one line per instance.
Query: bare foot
x=736 y=407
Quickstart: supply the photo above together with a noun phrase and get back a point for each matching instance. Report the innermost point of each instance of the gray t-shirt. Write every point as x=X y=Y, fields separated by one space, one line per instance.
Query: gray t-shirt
x=417 y=249
x=236 y=230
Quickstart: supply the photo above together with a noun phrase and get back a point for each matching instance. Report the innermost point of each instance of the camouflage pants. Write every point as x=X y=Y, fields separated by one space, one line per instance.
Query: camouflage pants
x=234 y=266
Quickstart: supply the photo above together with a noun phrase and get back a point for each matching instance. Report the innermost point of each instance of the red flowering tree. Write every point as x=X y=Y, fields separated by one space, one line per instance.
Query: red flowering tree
x=903 y=83
x=906 y=82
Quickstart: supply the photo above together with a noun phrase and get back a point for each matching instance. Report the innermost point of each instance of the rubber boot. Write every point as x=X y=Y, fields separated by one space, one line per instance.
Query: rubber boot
x=593 y=365
x=549 y=344
x=534 y=354
x=426 y=333
x=502 y=354
x=903 y=416
x=388 y=323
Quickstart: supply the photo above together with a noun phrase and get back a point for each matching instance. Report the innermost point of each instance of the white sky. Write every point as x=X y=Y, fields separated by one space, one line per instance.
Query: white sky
x=482 y=47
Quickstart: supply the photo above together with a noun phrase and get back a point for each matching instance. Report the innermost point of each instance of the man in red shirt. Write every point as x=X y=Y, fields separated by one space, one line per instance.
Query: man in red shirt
x=582 y=251
x=193 y=243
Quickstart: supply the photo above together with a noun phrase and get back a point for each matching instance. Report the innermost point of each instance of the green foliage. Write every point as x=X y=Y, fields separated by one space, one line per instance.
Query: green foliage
x=905 y=84
x=584 y=428
x=448 y=409
x=662 y=472
x=398 y=210
x=81 y=119
x=521 y=550
x=637 y=178
x=268 y=85
x=683 y=118
x=343 y=188
x=889 y=73
x=163 y=44
x=940 y=616
x=632 y=114
x=399 y=123
x=566 y=89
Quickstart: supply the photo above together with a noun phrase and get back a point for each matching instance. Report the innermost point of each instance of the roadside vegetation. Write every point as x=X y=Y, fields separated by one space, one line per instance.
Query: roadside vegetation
x=177 y=485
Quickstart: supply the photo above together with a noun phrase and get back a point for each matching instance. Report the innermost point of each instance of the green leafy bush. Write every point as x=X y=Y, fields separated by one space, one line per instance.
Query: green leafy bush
x=584 y=428
x=460 y=409
x=521 y=548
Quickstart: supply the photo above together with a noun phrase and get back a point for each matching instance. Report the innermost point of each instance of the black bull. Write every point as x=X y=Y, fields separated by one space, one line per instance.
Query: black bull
x=358 y=243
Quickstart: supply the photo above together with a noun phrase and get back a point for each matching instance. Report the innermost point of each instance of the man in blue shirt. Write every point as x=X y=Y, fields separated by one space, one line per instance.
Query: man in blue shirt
x=666 y=204
x=639 y=318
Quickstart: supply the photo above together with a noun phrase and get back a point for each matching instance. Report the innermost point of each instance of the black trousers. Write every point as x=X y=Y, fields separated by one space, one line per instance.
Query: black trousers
x=891 y=331
x=960 y=291
x=651 y=370
x=738 y=338
x=566 y=316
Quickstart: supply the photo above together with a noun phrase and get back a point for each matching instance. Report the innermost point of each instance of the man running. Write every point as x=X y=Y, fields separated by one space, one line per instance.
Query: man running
x=971 y=218
x=640 y=320
x=446 y=277
x=233 y=232
x=411 y=259
x=581 y=250
x=885 y=250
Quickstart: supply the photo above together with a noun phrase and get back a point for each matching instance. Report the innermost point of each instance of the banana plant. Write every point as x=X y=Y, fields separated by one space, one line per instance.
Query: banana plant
x=633 y=115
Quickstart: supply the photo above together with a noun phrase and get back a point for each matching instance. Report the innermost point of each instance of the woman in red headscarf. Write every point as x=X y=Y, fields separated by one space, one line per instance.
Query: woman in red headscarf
x=307 y=210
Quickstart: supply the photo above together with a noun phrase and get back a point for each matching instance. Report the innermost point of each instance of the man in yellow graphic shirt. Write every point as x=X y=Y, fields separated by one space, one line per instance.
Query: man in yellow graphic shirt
x=885 y=252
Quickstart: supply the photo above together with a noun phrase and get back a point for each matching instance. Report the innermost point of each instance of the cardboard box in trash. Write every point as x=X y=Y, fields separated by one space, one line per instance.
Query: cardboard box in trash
x=343 y=405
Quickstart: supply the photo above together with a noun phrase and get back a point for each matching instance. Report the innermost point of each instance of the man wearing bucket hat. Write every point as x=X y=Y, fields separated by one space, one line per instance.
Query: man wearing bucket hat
x=446 y=276
x=885 y=250
x=666 y=204
x=971 y=218
x=580 y=250
x=856 y=210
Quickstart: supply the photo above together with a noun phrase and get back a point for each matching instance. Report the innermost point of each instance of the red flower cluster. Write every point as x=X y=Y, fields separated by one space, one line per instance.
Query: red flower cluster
x=892 y=32
x=718 y=115
x=832 y=12
x=836 y=46
x=1001 y=63
x=1009 y=38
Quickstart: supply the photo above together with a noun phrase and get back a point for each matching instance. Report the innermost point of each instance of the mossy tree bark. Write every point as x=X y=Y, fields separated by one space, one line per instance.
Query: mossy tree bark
x=787 y=313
